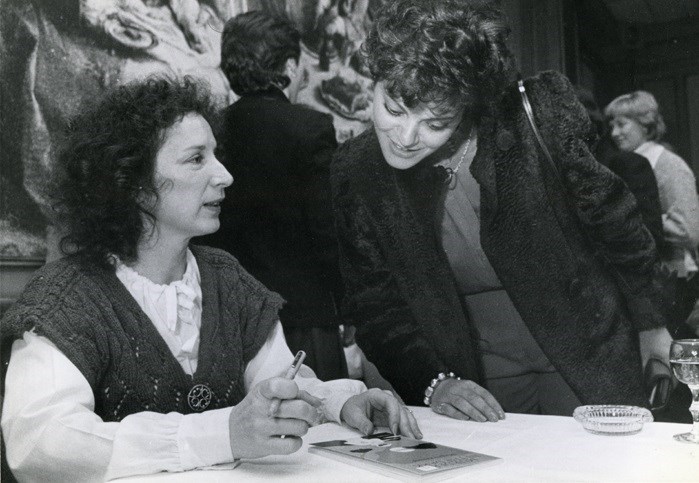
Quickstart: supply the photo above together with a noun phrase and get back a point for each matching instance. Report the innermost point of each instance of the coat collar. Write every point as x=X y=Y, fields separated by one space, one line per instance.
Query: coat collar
x=419 y=179
x=483 y=166
x=273 y=93
x=497 y=137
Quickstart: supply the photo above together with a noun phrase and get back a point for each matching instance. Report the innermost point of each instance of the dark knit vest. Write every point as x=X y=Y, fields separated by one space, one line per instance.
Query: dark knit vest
x=93 y=319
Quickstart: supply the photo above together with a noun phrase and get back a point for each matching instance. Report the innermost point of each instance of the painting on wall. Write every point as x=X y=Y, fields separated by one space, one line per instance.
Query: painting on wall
x=339 y=80
x=55 y=53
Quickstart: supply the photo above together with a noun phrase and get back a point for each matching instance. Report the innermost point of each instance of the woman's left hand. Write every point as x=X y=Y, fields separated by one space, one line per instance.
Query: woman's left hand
x=379 y=408
x=655 y=344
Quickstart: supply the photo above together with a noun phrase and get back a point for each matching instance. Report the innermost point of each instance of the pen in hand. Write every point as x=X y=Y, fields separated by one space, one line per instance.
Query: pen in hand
x=290 y=374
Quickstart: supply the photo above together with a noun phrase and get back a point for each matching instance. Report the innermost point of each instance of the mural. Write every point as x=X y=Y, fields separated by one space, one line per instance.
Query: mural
x=54 y=53
x=339 y=79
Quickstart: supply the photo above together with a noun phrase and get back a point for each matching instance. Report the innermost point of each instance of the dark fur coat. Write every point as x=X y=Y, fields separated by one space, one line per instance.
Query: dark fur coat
x=551 y=247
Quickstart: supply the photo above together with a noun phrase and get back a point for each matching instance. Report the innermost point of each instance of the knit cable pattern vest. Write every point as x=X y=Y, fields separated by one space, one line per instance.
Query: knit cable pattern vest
x=93 y=319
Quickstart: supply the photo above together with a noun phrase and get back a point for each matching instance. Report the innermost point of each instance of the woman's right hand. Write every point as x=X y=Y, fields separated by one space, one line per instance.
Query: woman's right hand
x=462 y=399
x=255 y=432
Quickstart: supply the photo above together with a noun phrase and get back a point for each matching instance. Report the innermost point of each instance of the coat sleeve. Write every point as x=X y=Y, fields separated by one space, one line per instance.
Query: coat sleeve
x=638 y=175
x=386 y=329
x=603 y=204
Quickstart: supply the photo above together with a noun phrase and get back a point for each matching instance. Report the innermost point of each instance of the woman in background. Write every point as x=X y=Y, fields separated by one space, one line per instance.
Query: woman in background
x=637 y=126
x=633 y=168
x=139 y=352
x=476 y=281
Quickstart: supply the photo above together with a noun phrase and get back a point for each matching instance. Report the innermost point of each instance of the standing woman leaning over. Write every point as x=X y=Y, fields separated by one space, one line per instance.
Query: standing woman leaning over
x=637 y=126
x=140 y=352
x=460 y=251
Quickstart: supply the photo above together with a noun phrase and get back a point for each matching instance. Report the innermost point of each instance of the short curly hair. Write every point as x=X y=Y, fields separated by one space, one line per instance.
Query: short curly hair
x=642 y=107
x=254 y=49
x=105 y=164
x=444 y=51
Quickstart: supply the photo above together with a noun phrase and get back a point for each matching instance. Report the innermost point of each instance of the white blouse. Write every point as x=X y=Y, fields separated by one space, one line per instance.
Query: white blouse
x=52 y=432
x=175 y=309
x=679 y=202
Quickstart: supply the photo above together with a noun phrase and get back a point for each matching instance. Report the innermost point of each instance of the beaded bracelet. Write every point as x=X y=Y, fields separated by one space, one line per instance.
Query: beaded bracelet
x=436 y=382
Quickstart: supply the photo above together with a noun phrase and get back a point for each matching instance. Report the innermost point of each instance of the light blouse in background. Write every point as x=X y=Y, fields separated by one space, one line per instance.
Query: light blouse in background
x=57 y=427
x=679 y=203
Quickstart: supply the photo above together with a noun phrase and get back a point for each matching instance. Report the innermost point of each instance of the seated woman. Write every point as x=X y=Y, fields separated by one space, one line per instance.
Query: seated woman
x=139 y=352
x=477 y=278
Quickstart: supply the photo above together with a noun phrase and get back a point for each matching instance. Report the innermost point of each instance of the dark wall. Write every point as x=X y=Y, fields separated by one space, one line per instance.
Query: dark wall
x=662 y=58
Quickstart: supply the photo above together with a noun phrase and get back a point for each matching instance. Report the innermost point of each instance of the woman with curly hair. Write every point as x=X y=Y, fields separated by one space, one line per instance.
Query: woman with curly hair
x=139 y=352
x=477 y=278
x=278 y=219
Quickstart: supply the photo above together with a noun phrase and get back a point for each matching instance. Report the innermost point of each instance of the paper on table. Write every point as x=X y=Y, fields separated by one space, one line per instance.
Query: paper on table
x=399 y=456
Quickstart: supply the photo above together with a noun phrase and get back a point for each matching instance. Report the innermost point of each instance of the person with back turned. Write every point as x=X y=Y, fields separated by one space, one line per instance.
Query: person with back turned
x=278 y=220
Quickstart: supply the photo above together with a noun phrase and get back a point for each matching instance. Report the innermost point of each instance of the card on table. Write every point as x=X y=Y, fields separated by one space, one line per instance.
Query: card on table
x=402 y=457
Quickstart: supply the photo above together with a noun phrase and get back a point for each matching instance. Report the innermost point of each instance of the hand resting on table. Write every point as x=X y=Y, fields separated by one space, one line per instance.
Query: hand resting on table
x=374 y=408
x=463 y=399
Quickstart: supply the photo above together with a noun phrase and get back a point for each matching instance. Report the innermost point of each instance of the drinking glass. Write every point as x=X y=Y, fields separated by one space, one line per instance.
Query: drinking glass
x=684 y=358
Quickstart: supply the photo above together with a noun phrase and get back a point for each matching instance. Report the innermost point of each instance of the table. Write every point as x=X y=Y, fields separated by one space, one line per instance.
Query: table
x=532 y=448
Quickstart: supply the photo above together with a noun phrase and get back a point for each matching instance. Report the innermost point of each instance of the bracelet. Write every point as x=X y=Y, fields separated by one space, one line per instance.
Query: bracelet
x=436 y=382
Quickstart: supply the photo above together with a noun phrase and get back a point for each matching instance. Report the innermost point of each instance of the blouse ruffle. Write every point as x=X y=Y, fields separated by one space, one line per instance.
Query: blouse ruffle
x=175 y=309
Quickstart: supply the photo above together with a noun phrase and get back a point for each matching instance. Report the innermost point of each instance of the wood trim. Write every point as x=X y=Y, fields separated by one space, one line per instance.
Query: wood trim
x=14 y=275
x=35 y=263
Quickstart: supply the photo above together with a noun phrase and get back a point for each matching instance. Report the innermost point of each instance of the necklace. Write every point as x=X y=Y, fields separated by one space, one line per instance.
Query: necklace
x=451 y=172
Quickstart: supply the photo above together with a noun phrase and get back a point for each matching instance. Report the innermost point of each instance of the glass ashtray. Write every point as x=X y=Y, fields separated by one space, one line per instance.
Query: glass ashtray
x=612 y=420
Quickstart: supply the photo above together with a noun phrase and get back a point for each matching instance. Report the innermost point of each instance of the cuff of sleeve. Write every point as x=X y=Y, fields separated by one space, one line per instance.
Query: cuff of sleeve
x=135 y=454
x=334 y=395
x=332 y=406
x=204 y=439
x=644 y=315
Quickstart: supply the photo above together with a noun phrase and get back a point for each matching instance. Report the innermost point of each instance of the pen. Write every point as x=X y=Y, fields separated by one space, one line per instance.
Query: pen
x=290 y=374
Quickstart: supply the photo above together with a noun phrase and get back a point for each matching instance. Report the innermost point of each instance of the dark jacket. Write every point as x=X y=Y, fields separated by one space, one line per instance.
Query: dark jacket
x=638 y=175
x=277 y=218
x=399 y=287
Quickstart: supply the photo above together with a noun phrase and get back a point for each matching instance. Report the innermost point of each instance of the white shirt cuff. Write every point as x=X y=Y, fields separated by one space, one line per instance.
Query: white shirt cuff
x=334 y=395
x=204 y=439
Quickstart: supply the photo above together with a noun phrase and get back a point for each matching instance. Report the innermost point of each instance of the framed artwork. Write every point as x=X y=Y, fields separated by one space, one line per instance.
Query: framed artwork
x=333 y=32
x=55 y=53
x=58 y=52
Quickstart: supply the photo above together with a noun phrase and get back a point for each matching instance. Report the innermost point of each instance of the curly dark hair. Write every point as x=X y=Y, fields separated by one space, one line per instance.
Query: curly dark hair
x=254 y=48
x=444 y=51
x=105 y=165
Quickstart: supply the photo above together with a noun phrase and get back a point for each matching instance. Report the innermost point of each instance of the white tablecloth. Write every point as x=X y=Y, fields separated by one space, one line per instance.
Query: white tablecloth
x=532 y=448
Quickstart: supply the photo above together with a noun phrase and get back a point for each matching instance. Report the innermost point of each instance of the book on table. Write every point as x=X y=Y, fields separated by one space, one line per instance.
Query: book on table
x=402 y=457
